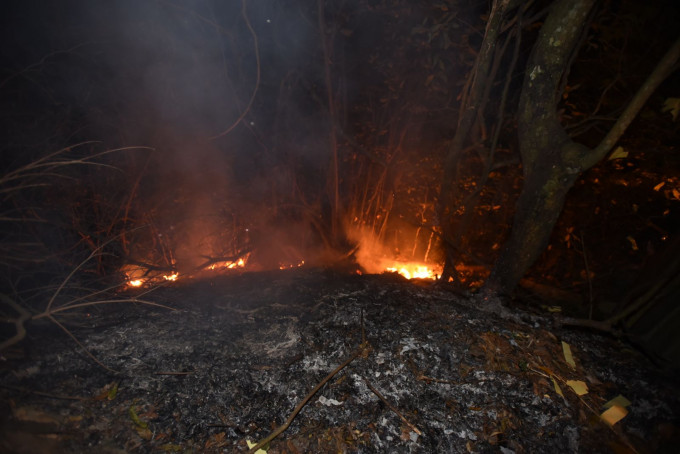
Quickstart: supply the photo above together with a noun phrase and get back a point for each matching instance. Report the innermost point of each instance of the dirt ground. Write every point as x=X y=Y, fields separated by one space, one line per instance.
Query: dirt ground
x=430 y=373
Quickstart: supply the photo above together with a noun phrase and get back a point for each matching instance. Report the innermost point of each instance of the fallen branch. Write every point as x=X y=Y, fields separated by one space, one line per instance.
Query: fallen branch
x=23 y=317
x=361 y=351
x=391 y=407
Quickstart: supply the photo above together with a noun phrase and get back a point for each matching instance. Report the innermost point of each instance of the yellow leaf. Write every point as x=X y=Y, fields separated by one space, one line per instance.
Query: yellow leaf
x=578 y=386
x=113 y=391
x=618 y=400
x=259 y=451
x=558 y=390
x=614 y=415
x=672 y=105
x=618 y=153
x=133 y=416
x=566 y=349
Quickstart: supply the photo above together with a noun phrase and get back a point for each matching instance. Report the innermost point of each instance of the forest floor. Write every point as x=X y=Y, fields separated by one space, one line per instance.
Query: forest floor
x=430 y=373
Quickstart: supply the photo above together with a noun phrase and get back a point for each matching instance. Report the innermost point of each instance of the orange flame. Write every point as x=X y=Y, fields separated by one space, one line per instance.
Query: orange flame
x=415 y=270
x=291 y=265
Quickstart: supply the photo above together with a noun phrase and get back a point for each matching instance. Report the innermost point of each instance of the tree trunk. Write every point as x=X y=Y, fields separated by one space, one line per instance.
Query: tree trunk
x=544 y=144
x=551 y=160
x=474 y=100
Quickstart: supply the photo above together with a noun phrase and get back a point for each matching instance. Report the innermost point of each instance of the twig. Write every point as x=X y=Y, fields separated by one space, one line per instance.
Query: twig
x=427 y=379
x=554 y=376
x=42 y=393
x=363 y=349
x=590 y=281
x=174 y=373
x=257 y=75
x=391 y=407
x=87 y=352
x=18 y=322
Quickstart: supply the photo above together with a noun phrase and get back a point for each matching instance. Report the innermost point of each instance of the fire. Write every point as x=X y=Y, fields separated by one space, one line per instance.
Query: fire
x=414 y=270
x=137 y=276
x=240 y=263
x=291 y=265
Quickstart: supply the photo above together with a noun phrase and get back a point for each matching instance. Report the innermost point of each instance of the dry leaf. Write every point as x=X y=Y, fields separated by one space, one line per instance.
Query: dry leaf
x=614 y=415
x=618 y=400
x=259 y=451
x=566 y=349
x=672 y=105
x=578 y=386
x=619 y=153
x=558 y=390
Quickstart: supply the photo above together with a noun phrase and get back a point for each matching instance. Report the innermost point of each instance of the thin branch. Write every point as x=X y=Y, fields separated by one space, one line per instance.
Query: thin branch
x=55 y=321
x=663 y=69
x=362 y=350
x=391 y=407
x=18 y=322
x=257 y=75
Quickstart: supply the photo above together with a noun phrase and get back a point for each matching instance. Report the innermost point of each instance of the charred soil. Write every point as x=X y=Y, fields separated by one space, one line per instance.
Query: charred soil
x=240 y=352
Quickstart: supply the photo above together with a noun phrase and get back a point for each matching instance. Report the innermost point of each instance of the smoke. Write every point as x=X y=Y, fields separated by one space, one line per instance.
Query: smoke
x=174 y=75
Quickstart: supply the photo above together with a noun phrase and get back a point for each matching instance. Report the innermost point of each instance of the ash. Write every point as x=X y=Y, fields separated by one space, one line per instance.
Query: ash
x=239 y=353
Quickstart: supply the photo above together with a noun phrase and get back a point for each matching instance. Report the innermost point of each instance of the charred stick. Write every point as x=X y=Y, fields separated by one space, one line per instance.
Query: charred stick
x=362 y=350
x=391 y=407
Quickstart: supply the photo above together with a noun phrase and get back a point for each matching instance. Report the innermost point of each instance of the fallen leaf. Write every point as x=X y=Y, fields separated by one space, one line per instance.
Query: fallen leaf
x=578 y=386
x=672 y=105
x=113 y=391
x=259 y=451
x=133 y=416
x=619 y=153
x=558 y=390
x=614 y=415
x=659 y=186
x=618 y=400
x=566 y=349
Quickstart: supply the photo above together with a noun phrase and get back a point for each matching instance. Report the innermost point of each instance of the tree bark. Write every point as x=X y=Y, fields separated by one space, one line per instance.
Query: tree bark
x=472 y=104
x=551 y=160
x=544 y=144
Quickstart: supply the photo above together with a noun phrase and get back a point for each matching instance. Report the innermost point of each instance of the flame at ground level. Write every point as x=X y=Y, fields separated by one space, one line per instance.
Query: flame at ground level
x=415 y=270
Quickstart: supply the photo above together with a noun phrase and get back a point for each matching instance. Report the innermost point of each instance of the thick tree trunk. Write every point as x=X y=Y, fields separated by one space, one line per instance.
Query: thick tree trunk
x=544 y=145
x=551 y=160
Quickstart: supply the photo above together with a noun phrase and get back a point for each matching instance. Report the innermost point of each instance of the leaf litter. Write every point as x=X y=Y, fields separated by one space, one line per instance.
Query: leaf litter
x=432 y=374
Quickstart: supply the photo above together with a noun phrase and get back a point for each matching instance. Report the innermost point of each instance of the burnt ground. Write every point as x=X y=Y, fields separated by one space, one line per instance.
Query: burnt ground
x=240 y=352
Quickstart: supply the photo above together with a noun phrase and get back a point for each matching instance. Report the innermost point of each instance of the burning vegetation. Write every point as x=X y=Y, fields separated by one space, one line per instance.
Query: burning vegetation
x=485 y=149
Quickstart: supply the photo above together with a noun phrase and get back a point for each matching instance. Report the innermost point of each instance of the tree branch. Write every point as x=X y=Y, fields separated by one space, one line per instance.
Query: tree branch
x=663 y=69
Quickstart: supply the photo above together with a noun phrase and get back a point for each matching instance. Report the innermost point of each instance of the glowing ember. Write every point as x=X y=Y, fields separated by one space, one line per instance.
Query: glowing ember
x=171 y=277
x=414 y=271
x=240 y=263
x=285 y=267
x=135 y=283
